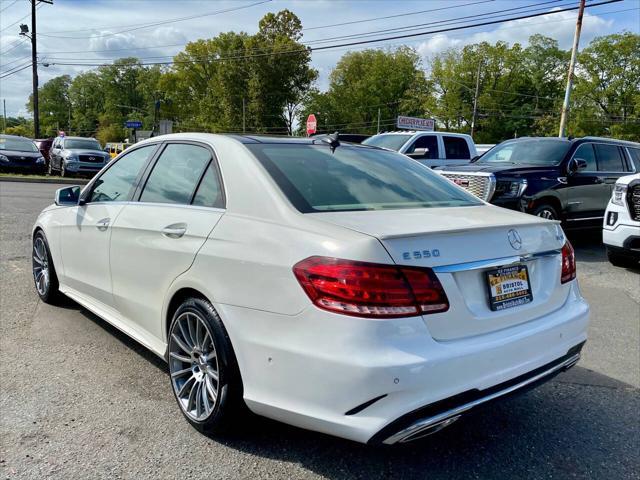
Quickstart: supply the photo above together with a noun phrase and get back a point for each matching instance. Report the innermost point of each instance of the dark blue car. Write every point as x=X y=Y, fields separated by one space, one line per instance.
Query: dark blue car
x=20 y=154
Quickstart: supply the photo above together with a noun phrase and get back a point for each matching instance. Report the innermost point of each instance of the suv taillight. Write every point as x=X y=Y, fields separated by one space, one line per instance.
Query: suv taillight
x=370 y=289
x=568 y=263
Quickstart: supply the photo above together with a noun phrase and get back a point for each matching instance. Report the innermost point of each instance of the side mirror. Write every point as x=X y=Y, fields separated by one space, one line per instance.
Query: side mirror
x=418 y=153
x=67 y=196
x=576 y=164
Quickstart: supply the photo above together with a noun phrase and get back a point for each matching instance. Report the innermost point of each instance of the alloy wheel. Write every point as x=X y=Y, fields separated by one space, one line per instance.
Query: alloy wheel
x=193 y=365
x=545 y=213
x=40 y=266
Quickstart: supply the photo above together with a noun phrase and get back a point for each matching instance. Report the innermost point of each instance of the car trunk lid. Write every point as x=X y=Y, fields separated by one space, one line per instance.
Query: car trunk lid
x=463 y=244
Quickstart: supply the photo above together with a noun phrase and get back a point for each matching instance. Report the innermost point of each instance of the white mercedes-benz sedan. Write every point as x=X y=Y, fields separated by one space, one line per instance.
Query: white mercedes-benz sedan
x=340 y=288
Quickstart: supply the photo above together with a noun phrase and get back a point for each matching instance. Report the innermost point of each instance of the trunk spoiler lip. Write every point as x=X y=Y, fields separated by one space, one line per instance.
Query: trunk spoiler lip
x=458 y=230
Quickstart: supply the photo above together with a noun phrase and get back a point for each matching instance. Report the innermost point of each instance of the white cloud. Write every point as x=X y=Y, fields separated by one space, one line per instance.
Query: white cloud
x=560 y=26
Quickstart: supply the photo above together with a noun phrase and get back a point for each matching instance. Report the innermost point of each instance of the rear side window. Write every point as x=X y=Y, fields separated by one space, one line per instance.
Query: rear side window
x=585 y=152
x=355 y=178
x=209 y=192
x=635 y=157
x=176 y=174
x=609 y=158
x=117 y=182
x=430 y=142
x=456 y=147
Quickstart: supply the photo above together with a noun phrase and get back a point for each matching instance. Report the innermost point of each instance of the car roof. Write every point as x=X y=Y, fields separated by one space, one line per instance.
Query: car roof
x=66 y=137
x=14 y=136
x=423 y=132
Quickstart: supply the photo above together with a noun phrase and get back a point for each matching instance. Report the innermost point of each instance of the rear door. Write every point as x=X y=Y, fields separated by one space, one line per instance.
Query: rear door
x=585 y=189
x=612 y=165
x=456 y=150
x=156 y=238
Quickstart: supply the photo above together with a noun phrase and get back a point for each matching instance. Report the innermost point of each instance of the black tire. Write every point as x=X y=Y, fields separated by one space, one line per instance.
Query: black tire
x=546 y=211
x=623 y=261
x=51 y=294
x=228 y=403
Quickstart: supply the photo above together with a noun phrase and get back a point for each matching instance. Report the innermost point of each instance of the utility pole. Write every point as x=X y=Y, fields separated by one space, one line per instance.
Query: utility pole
x=244 y=124
x=475 y=99
x=4 y=115
x=24 y=30
x=572 y=64
x=378 y=119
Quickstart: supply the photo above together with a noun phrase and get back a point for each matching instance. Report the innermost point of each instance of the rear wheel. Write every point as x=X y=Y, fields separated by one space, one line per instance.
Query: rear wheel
x=205 y=378
x=546 y=211
x=44 y=272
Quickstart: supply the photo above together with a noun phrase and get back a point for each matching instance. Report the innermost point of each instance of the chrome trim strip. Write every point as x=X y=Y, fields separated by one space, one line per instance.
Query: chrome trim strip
x=429 y=421
x=494 y=262
x=584 y=218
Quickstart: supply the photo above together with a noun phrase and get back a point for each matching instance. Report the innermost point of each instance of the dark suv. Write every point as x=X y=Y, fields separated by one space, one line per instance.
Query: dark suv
x=554 y=178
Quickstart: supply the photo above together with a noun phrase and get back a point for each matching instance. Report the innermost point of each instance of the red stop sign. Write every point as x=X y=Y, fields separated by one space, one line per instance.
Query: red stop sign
x=312 y=123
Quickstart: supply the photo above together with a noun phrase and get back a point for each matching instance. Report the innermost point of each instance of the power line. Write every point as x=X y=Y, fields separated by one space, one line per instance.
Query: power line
x=348 y=44
x=495 y=13
x=10 y=5
x=158 y=23
x=19 y=20
x=19 y=69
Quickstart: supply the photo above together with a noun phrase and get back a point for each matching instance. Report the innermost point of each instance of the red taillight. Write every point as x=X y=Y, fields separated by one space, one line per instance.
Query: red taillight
x=370 y=289
x=568 y=263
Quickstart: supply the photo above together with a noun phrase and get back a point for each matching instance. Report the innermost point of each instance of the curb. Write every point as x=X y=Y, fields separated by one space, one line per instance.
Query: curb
x=59 y=180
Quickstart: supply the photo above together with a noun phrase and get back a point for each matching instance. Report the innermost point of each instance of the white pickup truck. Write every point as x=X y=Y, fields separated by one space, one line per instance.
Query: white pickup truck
x=433 y=149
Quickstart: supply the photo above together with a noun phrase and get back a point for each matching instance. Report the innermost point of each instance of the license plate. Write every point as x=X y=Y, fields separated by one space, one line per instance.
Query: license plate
x=508 y=287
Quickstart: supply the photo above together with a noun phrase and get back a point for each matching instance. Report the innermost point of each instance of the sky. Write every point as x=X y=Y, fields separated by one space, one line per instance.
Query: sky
x=93 y=31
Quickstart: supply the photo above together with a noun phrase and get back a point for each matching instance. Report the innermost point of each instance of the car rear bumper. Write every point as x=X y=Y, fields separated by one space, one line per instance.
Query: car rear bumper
x=357 y=378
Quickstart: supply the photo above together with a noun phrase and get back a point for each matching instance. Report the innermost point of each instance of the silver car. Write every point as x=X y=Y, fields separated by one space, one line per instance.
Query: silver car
x=76 y=155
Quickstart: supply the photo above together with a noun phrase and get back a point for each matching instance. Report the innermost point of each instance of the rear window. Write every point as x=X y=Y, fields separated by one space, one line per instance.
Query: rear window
x=392 y=142
x=17 y=144
x=355 y=178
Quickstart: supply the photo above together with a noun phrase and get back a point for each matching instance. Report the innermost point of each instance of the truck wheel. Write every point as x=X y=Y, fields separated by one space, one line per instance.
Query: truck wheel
x=622 y=261
x=546 y=211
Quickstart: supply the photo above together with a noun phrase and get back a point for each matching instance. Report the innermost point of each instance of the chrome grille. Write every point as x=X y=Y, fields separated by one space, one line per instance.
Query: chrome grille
x=482 y=185
x=633 y=201
x=91 y=158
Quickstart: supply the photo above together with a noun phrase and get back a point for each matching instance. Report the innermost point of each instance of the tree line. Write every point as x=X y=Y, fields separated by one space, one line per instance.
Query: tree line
x=264 y=83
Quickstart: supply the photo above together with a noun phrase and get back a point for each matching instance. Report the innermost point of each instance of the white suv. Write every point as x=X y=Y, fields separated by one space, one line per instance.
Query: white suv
x=621 y=229
x=433 y=149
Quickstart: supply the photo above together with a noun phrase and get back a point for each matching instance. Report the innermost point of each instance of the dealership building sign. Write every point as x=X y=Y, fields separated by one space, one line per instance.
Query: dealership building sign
x=412 y=123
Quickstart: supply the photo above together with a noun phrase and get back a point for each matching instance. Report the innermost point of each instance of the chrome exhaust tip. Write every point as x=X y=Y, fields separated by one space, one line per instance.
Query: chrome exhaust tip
x=417 y=431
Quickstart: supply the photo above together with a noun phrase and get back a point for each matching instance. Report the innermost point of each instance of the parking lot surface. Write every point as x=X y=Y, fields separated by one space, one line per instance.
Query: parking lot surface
x=78 y=399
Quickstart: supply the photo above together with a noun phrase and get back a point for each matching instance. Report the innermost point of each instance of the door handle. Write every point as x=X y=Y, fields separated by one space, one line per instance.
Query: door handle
x=103 y=224
x=176 y=230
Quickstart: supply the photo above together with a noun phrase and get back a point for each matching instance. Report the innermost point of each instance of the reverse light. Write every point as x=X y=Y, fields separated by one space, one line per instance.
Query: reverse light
x=619 y=192
x=568 y=263
x=369 y=289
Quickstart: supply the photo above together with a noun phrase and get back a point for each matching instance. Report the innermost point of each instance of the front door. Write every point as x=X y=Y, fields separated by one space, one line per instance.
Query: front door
x=87 y=228
x=157 y=238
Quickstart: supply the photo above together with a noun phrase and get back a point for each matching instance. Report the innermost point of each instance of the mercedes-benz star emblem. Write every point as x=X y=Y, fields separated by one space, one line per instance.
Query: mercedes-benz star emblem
x=514 y=239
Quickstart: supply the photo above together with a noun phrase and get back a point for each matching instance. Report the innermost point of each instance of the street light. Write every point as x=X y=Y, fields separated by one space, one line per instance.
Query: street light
x=24 y=30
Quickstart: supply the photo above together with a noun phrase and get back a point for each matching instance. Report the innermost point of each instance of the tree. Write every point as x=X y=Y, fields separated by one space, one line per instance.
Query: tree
x=55 y=105
x=608 y=87
x=363 y=82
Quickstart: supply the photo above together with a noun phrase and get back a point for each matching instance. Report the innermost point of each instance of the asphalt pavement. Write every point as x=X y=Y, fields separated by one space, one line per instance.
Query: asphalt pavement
x=78 y=399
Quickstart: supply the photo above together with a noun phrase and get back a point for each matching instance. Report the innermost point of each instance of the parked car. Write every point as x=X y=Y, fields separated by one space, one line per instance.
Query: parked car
x=20 y=154
x=340 y=288
x=76 y=155
x=44 y=145
x=621 y=229
x=429 y=148
x=484 y=147
x=115 y=149
x=553 y=178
